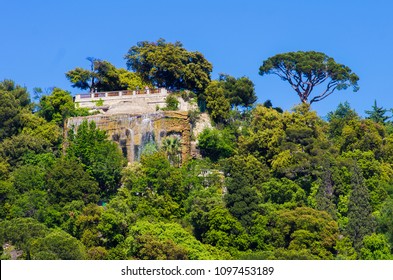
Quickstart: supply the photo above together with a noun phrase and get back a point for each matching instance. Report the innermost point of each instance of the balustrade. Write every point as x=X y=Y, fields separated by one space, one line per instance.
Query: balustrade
x=121 y=93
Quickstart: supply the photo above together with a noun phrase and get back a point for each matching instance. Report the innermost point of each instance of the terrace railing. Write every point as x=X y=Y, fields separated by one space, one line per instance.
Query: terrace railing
x=120 y=93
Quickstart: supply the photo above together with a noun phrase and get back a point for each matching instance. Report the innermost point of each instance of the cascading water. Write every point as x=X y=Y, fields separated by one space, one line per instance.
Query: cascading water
x=148 y=143
x=130 y=149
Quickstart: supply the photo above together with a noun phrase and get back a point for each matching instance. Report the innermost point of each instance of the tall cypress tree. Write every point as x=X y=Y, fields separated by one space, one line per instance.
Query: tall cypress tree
x=324 y=197
x=360 y=220
x=243 y=175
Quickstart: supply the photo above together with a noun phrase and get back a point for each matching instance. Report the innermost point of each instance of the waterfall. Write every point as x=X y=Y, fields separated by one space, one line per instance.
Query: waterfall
x=147 y=130
x=130 y=150
x=148 y=143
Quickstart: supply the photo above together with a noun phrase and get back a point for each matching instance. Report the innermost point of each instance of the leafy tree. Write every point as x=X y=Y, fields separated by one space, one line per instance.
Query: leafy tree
x=97 y=253
x=157 y=169
x=83 y=78
x=29 y=177
x=259 y=234
x=375 y=247
x=152 y=248
x=7 y=194
x=387 y=149
x=4 y=169
x=169 y=65
x=294 y=147
x=67 y=181
x=349 y=132
x=103 y=76
x=282 y=192
x=58 y=106
x=223 y=230
x=98 y=155
x=304 y=228
x=264 y=135
x=171 y=240
x=113 y=227
x=131 y=80
x=172 y=104
x=108 y=77
x=164 y=182
x=217 y=103
x=14 y=100
x=226 y=93
x=372 y=171
x=44 y=161
x=57 y=245
x=216 y=144
x=33 y=203
x=364 y=135
x=240 y=91
x=15 y=148
x=82 y=222
x=134 y=178
x=385 y=221
x=343 y=115
x=290 y=254
x=21 y=232
x=49 y=132
x=377 y=114
x=306 y=70
x=35 y=136
x=344 y=249
x=201 y=201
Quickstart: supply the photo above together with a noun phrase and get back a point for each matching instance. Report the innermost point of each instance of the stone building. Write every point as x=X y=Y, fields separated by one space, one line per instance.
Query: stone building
x=133 y=119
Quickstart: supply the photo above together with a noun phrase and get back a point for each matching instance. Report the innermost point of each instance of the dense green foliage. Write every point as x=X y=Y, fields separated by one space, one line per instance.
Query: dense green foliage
x=103 y=76
x=171 y=103
x=14 y=101
x=58 y=106
x=169 y=65
x=377 y=114
x=270 y=184
x=100 y=157
x=227 y=93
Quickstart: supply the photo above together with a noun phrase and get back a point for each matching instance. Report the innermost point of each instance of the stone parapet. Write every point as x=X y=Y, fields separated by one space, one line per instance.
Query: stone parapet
x=90 y=100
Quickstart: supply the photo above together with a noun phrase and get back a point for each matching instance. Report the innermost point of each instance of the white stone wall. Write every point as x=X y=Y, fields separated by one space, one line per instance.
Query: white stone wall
x=135 y=102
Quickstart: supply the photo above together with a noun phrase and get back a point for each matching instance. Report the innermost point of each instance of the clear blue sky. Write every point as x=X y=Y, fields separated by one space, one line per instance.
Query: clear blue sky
x=41 y=40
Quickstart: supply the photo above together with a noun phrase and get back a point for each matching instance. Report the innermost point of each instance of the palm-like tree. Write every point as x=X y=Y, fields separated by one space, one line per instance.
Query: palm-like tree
x=172 y=147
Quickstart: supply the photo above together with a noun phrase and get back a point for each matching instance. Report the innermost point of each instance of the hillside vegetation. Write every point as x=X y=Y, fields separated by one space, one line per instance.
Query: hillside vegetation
x=270 y=184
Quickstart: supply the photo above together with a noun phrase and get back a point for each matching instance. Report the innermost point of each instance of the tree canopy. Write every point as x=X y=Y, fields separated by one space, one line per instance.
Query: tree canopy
x=103 y=76
x=226 y=94
x=377 y=114
x=306 y=70
x=239 y=91
x=169 y=65
x=14 y=99
x=99 y=156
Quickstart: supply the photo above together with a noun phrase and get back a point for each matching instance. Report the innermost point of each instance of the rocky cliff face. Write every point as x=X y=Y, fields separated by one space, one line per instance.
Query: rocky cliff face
x=134 y=132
